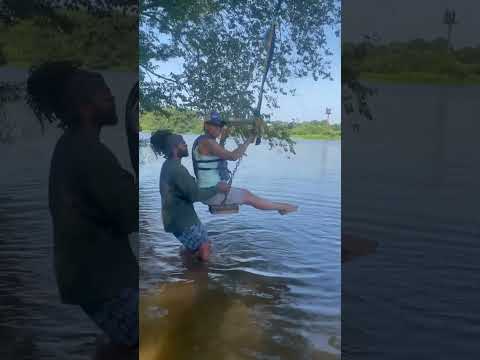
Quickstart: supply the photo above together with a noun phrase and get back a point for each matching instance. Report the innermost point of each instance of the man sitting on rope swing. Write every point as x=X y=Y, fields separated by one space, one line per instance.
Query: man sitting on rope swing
x=209 y=162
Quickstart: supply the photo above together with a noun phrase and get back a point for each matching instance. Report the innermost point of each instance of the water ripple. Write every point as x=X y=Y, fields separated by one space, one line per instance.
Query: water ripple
x=286 y=269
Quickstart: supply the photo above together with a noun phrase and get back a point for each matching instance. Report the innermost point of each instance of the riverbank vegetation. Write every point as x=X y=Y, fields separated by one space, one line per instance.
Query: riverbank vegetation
x=416 y=61
x=187 y=122
x=96 y=42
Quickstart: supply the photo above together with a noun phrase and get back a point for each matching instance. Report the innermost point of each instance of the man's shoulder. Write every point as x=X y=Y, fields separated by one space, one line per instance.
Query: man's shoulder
x=99 y=151
x=173 y=166
x=181 y=168
x=205 y=144
x=204 y=138
x=93 y=154
x=82 y=146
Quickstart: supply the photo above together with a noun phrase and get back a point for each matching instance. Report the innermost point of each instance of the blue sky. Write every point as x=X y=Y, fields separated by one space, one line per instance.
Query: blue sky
x=311 y=98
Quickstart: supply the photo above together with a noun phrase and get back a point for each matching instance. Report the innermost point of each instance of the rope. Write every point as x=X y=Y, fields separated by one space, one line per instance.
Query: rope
x=271 y=36
x=230 y=181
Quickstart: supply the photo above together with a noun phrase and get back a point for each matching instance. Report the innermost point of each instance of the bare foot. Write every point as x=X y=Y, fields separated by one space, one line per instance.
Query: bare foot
x=287 y=208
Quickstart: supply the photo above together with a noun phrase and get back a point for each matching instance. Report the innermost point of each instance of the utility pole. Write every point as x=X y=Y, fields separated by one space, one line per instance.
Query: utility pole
x=328 y=112
x=449 y=19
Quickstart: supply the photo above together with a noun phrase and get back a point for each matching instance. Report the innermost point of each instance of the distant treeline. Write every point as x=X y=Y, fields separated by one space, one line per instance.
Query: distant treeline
x=416 y=59
x=96 y=42
x=186 y=122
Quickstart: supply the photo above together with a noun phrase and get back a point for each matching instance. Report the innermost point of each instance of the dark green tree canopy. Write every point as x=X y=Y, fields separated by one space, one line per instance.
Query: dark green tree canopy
x=222 y=46
x=56 y=15
x=14 y=10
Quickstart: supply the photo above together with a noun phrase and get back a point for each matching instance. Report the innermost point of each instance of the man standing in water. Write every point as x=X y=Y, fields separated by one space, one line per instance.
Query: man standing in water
x=208 y=157
x=179 y=191
x=93 y=202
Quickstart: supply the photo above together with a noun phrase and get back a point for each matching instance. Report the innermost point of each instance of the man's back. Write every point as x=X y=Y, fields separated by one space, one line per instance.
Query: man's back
x=179 y=191
x=94 y=205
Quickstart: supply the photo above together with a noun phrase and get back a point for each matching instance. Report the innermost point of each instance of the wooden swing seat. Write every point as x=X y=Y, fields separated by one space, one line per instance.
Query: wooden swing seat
x=223 y=209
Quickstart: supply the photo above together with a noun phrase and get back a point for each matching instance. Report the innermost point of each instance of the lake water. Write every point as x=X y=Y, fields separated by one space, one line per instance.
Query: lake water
x=272 y=287
x=410 y=182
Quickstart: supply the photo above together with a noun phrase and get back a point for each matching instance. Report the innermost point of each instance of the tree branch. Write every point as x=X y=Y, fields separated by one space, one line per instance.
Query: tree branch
x=158 y=75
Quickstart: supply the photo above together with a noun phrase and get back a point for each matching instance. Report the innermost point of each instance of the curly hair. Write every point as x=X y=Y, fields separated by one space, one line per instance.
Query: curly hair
x=131 y=114
x=159 y=142
x=54 y=89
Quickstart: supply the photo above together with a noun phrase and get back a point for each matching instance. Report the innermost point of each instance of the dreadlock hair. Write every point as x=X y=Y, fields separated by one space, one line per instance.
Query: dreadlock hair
x=132 y=103
x=159 y=143
x=132 y=115
x=54 y=89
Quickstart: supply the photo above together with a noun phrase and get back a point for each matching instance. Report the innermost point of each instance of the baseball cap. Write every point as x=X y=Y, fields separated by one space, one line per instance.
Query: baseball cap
x=215 y=119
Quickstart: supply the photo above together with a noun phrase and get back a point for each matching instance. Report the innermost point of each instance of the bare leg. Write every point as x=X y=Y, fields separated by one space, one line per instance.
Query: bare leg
x=263 y=204
x=203 y=253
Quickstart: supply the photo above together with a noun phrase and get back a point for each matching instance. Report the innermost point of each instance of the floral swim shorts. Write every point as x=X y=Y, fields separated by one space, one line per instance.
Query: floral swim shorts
x=193 y=237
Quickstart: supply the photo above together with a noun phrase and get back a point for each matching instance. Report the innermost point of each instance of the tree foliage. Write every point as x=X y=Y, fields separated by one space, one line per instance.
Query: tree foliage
x=96 y=43
x=9 y=92
x=417 y=60
x=222 y=47
x=316 y=130
x=12 y=11
x=97 y=33
x=355 y=94
x=416 y=56
x=188 y=122
x=182 y=122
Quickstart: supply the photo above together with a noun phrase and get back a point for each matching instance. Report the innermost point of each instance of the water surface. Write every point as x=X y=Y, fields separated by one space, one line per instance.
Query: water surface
x=410 y=182
x=272 y=287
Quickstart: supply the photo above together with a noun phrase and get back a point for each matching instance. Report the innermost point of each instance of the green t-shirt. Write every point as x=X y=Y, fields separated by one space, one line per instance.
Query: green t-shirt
x=94 y=206
x=179 y=191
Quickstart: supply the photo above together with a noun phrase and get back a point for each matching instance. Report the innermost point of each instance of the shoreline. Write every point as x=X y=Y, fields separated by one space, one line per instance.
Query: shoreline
x=294 y=137
x=419 y=79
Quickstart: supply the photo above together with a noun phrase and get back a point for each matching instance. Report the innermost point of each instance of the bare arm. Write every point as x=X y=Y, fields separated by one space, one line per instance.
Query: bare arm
x=216 y=149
